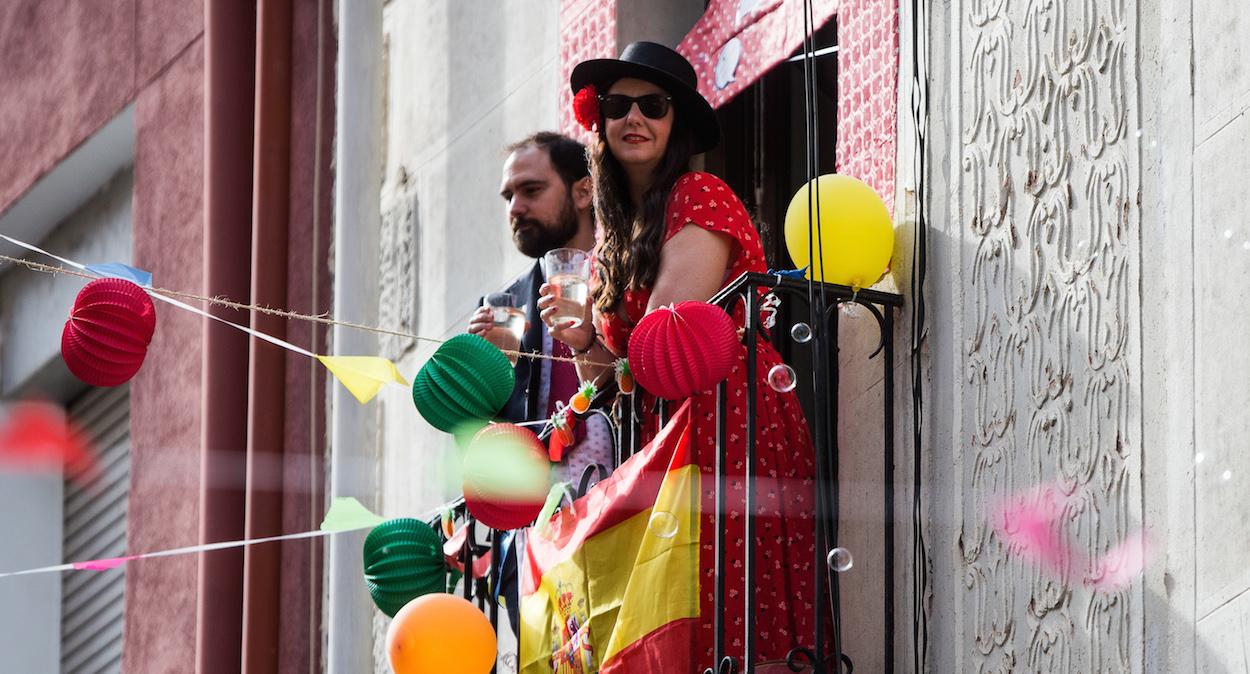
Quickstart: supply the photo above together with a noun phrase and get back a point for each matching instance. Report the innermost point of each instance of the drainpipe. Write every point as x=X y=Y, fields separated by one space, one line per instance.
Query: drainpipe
x=357 y=223
x=267 y=375
x=229 y=48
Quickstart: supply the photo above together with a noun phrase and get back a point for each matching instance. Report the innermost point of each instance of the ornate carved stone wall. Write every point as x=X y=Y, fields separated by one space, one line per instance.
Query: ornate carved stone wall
x=398 y=273
x=1046 y=195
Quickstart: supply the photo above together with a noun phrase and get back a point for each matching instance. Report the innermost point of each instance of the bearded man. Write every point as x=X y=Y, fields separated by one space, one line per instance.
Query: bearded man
x=546 y=184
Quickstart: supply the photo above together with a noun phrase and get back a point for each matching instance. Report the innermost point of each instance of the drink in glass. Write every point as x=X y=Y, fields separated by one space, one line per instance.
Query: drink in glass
x=567 y=272
x=509 y=323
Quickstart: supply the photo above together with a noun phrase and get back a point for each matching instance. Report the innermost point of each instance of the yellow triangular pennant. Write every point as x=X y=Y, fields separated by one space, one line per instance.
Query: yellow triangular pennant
x=363 y=375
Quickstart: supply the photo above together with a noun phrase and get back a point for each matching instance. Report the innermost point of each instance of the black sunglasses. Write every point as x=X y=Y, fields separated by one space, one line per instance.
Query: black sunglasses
x=616 y=106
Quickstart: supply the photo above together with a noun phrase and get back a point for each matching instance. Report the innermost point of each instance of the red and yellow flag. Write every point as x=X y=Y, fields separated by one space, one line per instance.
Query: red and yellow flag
x=612 y=584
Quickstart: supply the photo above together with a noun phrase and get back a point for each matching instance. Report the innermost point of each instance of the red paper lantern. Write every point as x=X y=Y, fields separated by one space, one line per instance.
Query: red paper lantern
x=676 y=352
x=106 y=337
x=502 y=515
x=505 y=476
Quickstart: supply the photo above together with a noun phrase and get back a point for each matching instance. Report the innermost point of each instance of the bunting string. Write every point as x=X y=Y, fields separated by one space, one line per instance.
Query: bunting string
x=346 y=515
x=169 y=295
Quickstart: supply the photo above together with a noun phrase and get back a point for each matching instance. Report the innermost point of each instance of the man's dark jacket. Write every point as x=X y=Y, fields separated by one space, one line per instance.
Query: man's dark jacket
x=523 y=405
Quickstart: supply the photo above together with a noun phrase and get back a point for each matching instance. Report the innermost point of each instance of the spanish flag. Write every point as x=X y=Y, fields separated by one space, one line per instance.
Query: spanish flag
x=612 y=584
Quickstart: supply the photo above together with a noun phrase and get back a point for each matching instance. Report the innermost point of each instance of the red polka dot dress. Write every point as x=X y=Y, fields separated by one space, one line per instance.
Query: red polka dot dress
x=785 y=464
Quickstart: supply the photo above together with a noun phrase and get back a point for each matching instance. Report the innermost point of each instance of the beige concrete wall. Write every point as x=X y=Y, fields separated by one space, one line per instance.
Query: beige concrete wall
x=1215 y=464
x=461 y=84
x=462 y=81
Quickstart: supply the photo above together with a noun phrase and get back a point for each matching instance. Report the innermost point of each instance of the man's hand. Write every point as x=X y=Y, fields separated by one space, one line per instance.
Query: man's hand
x=481 y=322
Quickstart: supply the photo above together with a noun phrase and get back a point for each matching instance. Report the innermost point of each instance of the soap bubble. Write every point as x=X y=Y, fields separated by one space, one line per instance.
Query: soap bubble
x=663 y=524
x=782 y=378
x=801 y=333
x=840 y=560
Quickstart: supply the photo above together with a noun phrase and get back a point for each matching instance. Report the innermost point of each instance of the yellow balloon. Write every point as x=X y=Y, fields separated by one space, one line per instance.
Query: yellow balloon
x=854 y=236
x=438 y=634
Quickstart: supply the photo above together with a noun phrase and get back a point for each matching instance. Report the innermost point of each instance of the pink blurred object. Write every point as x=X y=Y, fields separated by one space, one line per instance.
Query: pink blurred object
x=38 y=436
x=1032 y=526
x=1121 y=565
x=102 y=564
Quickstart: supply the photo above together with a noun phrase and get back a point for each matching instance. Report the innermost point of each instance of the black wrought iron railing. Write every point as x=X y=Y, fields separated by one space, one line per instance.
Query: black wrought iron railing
x=823 y=302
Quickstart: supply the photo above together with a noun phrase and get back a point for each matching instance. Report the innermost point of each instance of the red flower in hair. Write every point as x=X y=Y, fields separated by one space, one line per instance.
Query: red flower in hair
x=586 y=107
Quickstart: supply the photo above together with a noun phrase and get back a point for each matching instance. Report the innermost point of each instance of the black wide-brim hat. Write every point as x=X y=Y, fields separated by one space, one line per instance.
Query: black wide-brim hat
x=664 y=68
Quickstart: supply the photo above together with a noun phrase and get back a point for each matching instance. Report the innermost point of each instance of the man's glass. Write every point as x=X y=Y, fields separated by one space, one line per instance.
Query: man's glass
x=616 y=106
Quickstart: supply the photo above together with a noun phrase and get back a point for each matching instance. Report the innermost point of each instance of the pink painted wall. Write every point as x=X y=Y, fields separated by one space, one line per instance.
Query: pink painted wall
x=164 y=28
x=308 y=291
x=66 y=68
x=165 y=404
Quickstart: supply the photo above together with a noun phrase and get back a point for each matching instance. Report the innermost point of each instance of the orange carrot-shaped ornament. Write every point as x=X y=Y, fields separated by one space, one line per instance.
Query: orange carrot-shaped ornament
x=562 y=424
x=449 y=528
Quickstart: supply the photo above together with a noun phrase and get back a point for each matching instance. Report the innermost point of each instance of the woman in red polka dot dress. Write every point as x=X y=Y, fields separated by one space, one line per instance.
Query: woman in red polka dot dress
x=668 y=234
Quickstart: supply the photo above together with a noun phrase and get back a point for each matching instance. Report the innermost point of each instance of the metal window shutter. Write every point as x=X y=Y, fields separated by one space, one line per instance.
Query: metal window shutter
x=93 y=604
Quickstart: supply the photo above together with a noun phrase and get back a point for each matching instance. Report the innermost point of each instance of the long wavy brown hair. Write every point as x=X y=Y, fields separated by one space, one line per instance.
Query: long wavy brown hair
x=628 y=256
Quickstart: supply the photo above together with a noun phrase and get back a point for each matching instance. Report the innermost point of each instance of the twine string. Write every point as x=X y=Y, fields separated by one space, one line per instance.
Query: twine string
x=322 y=318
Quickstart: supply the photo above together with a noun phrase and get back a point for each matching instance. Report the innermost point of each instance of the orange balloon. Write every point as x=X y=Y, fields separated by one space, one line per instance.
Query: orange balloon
x=440 y=634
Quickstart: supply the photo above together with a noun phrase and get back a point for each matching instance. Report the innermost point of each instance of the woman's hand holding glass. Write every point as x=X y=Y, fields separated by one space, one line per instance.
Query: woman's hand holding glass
x=554 y=310
x=594 y=362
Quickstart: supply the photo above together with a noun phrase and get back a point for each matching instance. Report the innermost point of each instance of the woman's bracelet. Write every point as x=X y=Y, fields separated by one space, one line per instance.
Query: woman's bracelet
x=594 y=339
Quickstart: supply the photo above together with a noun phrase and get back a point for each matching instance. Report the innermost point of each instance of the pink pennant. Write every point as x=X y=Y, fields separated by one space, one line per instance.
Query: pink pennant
x=453 y=551
x=103 y=564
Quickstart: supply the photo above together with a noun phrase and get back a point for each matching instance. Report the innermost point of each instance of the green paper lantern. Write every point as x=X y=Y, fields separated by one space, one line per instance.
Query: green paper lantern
x=403 y=560
x=466 y=379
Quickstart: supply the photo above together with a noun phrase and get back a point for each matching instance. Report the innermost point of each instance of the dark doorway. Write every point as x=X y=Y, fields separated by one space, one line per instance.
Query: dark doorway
x=763 y=157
